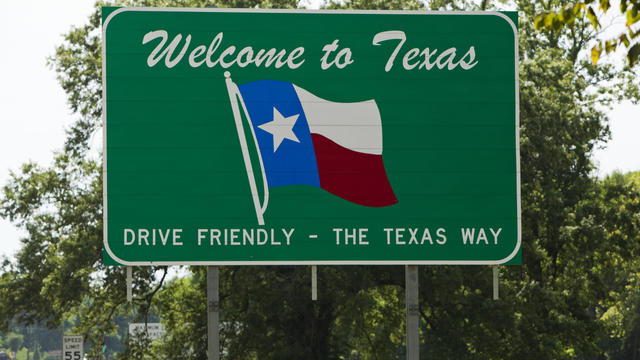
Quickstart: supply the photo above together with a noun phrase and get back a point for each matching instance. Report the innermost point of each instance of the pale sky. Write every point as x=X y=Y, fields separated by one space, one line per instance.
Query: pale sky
x=34 y=112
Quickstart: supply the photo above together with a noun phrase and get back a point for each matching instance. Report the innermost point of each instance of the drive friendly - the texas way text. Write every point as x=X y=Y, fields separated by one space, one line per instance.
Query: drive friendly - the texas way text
x=285 y=236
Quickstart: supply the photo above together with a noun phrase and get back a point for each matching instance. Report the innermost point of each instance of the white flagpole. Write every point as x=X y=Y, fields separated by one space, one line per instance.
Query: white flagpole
x=265 y=185
x=234 y=93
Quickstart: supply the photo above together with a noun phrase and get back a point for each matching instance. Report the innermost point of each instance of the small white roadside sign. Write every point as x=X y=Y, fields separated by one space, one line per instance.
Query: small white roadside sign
x=154 y=330
x=72 y=347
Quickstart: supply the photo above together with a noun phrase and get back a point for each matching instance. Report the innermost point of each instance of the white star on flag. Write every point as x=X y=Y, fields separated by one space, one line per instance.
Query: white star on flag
x=281 y=128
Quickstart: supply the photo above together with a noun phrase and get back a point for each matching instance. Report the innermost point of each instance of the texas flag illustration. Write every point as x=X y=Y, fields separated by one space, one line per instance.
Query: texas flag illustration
x=304 y=139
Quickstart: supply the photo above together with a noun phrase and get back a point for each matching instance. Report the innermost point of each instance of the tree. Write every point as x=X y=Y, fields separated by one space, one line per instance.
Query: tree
x=377 y=4
x=620 y=194
x=36 y=353
x=14 y=342
x=566 y=15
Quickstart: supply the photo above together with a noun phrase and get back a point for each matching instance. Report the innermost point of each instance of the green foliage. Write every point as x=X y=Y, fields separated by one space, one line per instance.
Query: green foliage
x=36 y=353
x=556 y=18
x=376 y=4
x=633 y=178
x=182 y=304
x=14 y=342
x=137 y=348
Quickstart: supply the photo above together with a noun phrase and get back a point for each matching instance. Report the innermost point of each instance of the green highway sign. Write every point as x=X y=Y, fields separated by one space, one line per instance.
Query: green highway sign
x=310 y=137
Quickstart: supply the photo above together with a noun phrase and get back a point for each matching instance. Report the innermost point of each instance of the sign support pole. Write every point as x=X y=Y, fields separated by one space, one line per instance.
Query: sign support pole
x=496 y=284
x=314 y=282
x=129 y=284
x=413 y=312
x=213 y=315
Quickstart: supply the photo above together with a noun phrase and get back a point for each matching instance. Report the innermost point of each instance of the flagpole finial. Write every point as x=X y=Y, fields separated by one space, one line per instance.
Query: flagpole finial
x=227 y=74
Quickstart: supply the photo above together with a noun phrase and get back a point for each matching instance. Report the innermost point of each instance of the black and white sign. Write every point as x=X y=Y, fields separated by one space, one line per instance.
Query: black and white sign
x=154 y=331
x=72 y=347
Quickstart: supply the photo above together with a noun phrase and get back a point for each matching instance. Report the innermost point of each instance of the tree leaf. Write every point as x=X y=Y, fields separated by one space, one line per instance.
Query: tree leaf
x=632 y=16
x=538 y=23
x=623 y=6
x=557 y=23
x=568 y=15
x=633 y=54
x=548 y=20
x=593 y=18
x=624 y=39
x=595 y=54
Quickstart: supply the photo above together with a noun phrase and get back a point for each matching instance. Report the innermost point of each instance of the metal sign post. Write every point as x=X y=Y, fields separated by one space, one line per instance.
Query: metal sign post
x=413 y=312
x=129 y=284
x=496 y=282
x=314 y=282
x=213 y=315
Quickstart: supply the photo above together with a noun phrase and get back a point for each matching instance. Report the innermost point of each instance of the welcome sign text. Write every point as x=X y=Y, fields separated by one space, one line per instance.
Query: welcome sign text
x=216 y=53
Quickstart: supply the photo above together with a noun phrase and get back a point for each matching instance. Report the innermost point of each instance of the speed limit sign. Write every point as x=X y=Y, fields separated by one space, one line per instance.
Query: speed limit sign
x=72 y=347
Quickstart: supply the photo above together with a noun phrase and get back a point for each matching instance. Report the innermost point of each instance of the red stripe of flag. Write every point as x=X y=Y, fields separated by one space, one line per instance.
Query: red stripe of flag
x=351 y=175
